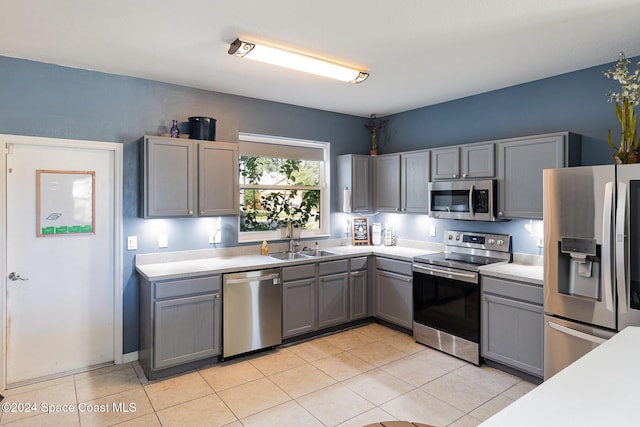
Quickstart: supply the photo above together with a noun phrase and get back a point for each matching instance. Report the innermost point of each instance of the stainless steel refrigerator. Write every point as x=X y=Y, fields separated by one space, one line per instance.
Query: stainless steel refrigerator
x=591 y=259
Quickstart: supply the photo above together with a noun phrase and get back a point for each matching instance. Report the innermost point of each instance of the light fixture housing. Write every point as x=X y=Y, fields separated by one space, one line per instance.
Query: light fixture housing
x=296 y=61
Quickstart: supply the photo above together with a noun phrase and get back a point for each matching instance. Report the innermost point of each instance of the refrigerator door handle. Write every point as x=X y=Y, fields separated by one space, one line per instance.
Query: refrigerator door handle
x=607 y=284
x=577 y=334
x=621 y=270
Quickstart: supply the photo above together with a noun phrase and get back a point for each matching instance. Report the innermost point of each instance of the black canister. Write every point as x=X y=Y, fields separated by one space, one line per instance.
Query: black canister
x=202 y=128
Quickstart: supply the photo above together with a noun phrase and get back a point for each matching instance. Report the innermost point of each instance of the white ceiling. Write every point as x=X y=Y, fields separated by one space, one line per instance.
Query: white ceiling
x=418 y=52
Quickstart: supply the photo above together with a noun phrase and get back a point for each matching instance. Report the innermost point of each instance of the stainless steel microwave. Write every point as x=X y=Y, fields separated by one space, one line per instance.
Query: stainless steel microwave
x=468 y=200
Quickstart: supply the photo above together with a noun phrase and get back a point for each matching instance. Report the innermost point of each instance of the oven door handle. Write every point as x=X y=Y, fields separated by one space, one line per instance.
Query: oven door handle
x=449 y=274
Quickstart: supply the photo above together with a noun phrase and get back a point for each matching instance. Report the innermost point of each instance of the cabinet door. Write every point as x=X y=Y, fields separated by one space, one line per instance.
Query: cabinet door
x=445 y=163
x=387 y=182
x=361 y=184
x=186 y=329
x=168 y=174
x=333 y=300
x=414 y=184
x=299 y=307
x=512 y=333
x=478 y=161
x=394 y=298
x=353 y=174
x=358 y=295
x=218 y=192
x=520 y=166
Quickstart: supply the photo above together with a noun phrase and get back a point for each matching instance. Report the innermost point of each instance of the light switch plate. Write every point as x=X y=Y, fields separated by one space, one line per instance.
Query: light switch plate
x=432 y=230
x=132 y=243
x=163 y=240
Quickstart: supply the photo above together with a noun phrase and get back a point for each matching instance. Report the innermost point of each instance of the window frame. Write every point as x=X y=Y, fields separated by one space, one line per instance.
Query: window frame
x=324 y=187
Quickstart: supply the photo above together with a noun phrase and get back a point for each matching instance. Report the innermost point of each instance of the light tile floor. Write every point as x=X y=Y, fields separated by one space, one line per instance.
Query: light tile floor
x=351 y=378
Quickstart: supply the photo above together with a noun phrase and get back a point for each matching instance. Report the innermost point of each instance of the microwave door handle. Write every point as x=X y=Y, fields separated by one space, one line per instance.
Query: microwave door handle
x=606 y=246
x=471 y=190
x=621 y=247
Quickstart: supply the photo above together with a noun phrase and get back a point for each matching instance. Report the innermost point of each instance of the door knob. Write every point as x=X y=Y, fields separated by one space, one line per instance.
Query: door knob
x=13 y=276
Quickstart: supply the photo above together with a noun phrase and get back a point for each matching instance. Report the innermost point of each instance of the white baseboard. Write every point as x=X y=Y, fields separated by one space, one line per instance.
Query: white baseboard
x=130 y=357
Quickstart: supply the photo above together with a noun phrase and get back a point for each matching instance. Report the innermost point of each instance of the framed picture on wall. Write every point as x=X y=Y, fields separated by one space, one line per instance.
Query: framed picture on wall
x=65 y=202
x=360 y=231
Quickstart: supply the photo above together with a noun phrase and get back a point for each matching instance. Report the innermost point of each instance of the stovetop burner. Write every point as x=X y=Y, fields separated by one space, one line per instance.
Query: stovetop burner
x=469 y=251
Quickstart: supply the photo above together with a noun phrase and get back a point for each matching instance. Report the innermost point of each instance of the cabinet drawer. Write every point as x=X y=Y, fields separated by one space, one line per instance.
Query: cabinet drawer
x=388 y=264
x=298 y=272
x=180 y=288
x=333 y=267
x=508 y=288
x=359 y=263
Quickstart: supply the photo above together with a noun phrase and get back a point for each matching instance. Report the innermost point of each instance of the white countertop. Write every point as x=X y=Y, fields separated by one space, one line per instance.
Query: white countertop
x=224 y=264
x=599 y=389
x=515 y=271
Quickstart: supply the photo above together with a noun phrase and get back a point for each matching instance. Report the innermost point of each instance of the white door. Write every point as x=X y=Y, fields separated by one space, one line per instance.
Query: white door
x=60 y=315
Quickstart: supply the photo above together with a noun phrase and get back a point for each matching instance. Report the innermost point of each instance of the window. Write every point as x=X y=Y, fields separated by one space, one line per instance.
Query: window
x=282 y=180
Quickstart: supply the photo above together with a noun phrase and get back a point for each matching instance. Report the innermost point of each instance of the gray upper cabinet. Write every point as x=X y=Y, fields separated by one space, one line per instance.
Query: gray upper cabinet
x=168 y=171
x=218 y=192
x=445 y=163
x=478 y=160
x=520 y=165
x=353 y=173
x=188 y=178
x=387 y=182
x=469 y=161
x=415 y=168
x=401 y=182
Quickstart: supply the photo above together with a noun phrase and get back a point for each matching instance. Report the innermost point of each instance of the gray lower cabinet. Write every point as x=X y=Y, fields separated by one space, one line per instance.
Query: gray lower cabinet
x=333 y=293
x=180 y=323
x=520 y=165
x=394 y=292
x=358 y=288
x=513 y=324
x=299 y=300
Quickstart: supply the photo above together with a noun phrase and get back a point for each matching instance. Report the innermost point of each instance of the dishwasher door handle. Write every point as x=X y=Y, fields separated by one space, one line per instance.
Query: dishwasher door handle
x=275 y=277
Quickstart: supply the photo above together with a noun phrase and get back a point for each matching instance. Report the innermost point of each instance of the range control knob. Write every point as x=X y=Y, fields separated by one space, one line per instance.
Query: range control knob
x=492 y=241
x=500 y=242
x=450 y=236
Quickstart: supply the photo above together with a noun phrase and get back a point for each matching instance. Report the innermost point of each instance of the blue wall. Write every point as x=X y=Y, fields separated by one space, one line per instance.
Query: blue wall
x=52 y=101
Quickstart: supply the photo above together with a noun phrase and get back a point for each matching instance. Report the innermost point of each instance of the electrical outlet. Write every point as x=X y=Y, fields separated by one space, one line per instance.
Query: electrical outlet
x=163 y=240
x=132 y=243
x=432 y=230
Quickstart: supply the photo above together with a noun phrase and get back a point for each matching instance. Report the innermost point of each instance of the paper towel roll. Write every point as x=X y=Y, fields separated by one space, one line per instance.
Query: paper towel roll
x=346 y=201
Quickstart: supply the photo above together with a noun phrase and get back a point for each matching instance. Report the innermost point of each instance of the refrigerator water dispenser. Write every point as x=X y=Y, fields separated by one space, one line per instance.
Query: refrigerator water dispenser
x=579 y=268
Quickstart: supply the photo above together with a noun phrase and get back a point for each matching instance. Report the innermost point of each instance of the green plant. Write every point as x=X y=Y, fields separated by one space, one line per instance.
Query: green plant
x=625 y=103
x=265 y=210
x=373 y=124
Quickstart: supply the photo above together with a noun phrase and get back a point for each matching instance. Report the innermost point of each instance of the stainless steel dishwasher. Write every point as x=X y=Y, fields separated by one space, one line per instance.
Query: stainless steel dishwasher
x=251 y=311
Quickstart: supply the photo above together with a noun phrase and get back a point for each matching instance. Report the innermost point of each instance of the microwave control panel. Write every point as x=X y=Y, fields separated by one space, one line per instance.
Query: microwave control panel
x=481 y=201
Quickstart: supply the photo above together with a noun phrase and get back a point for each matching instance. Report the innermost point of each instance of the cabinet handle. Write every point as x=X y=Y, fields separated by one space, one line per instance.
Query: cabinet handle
x=464 y=175
x=217 y=296
x=201 y=212
x=190 y=213
x=500 y=213
x=455 y=175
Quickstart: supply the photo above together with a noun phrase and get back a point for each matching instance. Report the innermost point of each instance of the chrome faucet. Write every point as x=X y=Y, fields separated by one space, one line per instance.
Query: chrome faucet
x=293 y=244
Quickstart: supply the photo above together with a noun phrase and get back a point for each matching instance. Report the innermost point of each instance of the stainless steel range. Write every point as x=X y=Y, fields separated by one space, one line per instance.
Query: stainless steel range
x=446 y=291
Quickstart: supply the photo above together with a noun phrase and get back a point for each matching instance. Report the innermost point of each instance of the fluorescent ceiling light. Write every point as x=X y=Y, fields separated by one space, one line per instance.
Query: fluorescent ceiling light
x=296 y=61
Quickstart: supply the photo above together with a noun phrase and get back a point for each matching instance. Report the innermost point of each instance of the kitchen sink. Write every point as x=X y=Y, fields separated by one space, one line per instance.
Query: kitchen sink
x=314 y=253
x=289 y=255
